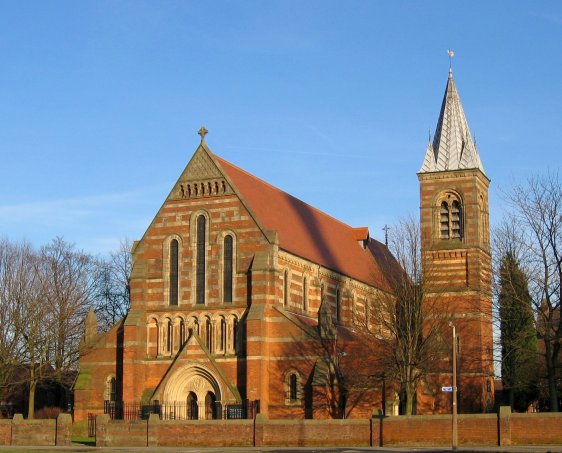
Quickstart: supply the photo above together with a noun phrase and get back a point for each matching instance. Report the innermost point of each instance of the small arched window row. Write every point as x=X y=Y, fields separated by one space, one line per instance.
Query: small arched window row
x=166 y=335
x=203 y=189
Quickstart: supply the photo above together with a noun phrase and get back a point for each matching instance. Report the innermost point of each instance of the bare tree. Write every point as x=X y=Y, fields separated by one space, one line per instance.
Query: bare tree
x=112 y=299
x=536 y=219
x=9 y=360
x=67 y=279
x=45 y=296
x=405 y=325
x=30 y=327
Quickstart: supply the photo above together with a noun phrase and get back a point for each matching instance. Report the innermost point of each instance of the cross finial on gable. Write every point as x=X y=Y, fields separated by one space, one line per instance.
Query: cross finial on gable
x=202 y=132
x=385 y=229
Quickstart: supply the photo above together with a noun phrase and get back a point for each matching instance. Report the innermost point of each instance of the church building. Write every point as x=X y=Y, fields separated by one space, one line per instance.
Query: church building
x=245 y=299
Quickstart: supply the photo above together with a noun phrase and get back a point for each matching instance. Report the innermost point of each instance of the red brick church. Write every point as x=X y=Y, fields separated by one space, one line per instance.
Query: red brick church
x=244 y=298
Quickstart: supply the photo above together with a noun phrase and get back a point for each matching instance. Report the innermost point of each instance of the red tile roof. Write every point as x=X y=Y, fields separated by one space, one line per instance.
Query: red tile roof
x=312 y=234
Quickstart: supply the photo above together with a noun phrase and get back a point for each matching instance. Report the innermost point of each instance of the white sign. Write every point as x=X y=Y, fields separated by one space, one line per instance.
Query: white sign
x=446 y=389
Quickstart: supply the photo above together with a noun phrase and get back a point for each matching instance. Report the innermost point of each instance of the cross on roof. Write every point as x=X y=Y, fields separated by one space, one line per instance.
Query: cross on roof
x=385 y=229
x=202 y=132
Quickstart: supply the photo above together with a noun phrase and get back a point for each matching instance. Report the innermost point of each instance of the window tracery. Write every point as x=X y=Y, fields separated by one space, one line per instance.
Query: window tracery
x=450 y=217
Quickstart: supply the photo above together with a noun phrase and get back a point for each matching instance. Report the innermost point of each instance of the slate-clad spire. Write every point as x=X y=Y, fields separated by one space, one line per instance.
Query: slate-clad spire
x=453 y=147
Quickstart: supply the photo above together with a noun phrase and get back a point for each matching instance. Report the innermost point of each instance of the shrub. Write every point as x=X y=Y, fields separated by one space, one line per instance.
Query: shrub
x=48 y=412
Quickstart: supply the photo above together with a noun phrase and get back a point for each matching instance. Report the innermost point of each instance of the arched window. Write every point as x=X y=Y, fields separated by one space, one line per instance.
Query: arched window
x=200 y=256
x=110 y=393
x=338 y=305
x=227 y=268
x=456 y=220
x=304 y=294
x=286 y=289
x=174 y=265
x=444 y=220
x=169 y=333
x=293 y=387
x=450 y=219
x=293 y=392
x=209 y=334
x=182 y=333
x=223 y=335
x=194 y=325
x=152 y=338
x=235 y=334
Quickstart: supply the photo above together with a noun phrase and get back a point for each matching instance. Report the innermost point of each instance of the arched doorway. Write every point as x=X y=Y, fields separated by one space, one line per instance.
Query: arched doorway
x=192 y=407
x=196 y=388
x=210 y=406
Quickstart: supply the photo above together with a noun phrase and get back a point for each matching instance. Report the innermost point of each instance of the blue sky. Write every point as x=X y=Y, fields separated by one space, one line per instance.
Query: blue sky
x=100 y=103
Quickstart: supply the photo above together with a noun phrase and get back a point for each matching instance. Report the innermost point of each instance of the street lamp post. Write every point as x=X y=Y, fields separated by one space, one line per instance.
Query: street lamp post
x=455 y=440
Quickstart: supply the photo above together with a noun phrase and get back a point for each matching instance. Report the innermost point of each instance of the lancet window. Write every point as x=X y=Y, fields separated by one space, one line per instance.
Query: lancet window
x=174 y=274
x=200 y=257
x=227 y=268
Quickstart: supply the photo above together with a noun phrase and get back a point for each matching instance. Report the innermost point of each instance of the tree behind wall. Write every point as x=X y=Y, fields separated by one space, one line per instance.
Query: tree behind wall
x=518 y=335
x=112 y=297
x=536 y=216
x=44 y=299
x=406 y=325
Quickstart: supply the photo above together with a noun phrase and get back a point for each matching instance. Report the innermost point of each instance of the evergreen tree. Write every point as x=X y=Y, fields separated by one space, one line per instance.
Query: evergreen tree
x=518 y=335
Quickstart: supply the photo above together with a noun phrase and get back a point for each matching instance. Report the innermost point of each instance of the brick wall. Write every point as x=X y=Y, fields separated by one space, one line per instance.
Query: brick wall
x=5 y=432
x=234 y=433
x=477 y=429
x=312 y=433
x=36 y=432
x=541 y=428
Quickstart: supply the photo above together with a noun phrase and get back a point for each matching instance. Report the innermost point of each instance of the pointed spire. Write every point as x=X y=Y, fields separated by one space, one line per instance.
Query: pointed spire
x=453 y=147
x=90 y=327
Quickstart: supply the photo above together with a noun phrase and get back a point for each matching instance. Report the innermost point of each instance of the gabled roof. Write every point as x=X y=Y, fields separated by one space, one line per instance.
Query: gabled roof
x=310 y=233
x=453 y=147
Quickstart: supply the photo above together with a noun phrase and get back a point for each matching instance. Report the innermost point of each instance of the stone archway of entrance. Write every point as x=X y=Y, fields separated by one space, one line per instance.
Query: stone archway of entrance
x=192 y=387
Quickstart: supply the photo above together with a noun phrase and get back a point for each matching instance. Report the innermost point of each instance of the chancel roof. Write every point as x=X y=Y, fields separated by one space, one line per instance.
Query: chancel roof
x=312 y=234
x=453 y=147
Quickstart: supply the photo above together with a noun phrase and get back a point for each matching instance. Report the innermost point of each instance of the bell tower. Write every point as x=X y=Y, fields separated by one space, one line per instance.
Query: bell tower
x=456 y=257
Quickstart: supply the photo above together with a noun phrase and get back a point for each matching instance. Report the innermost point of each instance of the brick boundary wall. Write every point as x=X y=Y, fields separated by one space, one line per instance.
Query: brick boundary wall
x=43 y=433
x=501 y=429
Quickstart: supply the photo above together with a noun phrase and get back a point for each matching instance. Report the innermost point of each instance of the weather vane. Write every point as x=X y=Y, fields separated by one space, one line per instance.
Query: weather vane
x=451 y=55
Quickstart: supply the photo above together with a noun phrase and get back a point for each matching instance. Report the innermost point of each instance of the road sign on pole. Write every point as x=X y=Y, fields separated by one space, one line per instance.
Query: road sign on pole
x=446 y=389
